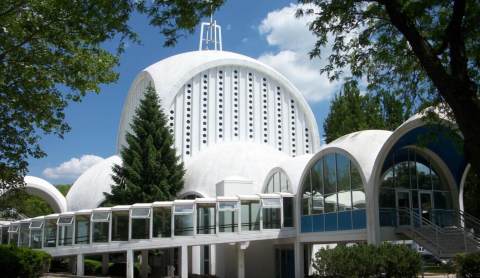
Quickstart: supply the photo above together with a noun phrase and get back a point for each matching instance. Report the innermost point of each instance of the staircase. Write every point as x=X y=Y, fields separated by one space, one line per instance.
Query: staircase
x=443 y=242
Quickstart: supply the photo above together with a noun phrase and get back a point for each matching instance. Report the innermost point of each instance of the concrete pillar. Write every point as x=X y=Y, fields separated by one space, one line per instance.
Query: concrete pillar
x=196 y=260
x=241 y=258
x=80 y=268
x=184 y=261
x=130 y=263
x=212 y=259
x=105 y=261
x=144 y=264
x=298 y=253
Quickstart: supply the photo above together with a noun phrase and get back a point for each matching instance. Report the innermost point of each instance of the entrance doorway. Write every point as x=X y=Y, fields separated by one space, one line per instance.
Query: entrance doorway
x=404 y=206
x=420 y=201
x=425 y=200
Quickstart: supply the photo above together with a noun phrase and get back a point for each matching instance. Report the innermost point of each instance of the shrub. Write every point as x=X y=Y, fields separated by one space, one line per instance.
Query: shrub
x=92 y=267
x=365 y=261
x=23 y=262
x=468 y=265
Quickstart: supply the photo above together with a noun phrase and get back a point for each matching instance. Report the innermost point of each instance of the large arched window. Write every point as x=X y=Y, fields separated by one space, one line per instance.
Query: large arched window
x=278 y=182
x=333 y=197
x=411 y=182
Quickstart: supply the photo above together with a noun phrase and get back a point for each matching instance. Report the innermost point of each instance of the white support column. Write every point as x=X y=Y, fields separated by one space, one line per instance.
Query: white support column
x=212 y=260
x=144 y=265
x=196 y=260
x=130 y=263
x=105 y=261
x=184 y=261
x=298 y=253
x=241 y=258
x=80 y=268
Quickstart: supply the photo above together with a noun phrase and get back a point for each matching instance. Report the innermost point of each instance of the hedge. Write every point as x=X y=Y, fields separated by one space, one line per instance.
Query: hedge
x=468 y=265
x=23 y=262
x=364 y=261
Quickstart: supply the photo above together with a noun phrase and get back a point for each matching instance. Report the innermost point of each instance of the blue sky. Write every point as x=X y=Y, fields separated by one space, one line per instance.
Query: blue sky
x=265 y=30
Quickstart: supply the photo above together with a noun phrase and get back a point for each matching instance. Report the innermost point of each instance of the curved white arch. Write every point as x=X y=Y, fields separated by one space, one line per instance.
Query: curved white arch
x=169 y=75
x=270 y=175
x=462 y=187
x=45 y=190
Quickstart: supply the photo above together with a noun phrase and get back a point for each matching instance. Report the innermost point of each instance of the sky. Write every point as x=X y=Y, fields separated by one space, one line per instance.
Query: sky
x=263 y=29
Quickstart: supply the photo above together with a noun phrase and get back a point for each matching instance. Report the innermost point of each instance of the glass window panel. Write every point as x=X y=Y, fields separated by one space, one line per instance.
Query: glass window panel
x=283 y=182
x=271 y=202
x=36 y=224
x=50 y=233
x=4 y=239
x=442 y=200
x=343 y=183
x=270 y=185
x=317 y=188
x=329 y=174
x=387 y=198
x=227 y=205
x=288 y=212
x=250 y=215
x=227 y=221
x=36 y=238
x=358 y=199
x=65 y=220
x=24 y=234
x=271 y=218
x=402 y=175
x=356 y=179
x=206 y=218
x=437 y=182
x=100 y=231
x=65 y=235
x=388 y=178
x=183 y=225
x=13 y=238
x=82 y=229
x=162 y=222
x=13 y=228
x=306 y=195
x=120 y=225
x=140 y=228
x=140 y=212
x=184 y=208
x=99 y=216
x=423 y=176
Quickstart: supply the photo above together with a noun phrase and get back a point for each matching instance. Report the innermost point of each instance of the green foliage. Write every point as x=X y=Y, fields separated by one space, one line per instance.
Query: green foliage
x=363 y=261
x=23 y=262
x=350 y=111
x=63 y=188
x=92 y=267
x=24 y=203
x=468 y=265
x=151 y=170
x=51 y=54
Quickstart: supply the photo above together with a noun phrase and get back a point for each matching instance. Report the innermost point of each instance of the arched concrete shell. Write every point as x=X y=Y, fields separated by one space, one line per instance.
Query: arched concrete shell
x=87 y=191
x=293 y=167
x=239 y=161
x=170 y=76
x=45 y=190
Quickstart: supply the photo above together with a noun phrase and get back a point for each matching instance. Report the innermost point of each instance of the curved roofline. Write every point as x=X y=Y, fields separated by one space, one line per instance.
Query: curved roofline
x=45 y=190
x=210 y=59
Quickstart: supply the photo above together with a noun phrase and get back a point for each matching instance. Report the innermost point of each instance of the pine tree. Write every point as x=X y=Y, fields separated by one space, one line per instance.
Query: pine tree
x=151 y=170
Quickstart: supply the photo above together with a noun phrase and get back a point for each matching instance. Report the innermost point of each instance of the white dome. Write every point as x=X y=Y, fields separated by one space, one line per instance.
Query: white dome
x=242 y=161
x=213 y=97
x=45 y=190
x=87 y=191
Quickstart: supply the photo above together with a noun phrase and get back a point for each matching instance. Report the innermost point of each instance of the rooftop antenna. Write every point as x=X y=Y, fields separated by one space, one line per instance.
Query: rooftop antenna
x=210 y=34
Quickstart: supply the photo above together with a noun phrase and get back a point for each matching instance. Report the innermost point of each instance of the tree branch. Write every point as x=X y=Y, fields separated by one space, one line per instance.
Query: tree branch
x=458 y=59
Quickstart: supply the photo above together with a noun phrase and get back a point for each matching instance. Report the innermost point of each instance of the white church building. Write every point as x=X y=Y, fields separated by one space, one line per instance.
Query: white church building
x=261 y=192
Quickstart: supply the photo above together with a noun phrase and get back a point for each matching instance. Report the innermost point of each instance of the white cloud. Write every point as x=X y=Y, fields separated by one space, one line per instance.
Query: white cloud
x=293 y=39
x=244 y=40
x=73 y=168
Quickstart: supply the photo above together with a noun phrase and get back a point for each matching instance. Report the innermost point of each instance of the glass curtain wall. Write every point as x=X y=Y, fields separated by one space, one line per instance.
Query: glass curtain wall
x=278 y=182
x=50 y=233
x=36 y=234
x=100 y=226
x=288 y=209
x=13 y=233
x=4 y=238
x=162 y=222
x=410 y=180
x=65 y=230
x=82 y=229
x=250 y=215
x=24 y=234
x=333 y=196
x=140 y=223
x=271 y=210
x=183 y=219
x=120 y=222
x=227 y=216
x=206 y=222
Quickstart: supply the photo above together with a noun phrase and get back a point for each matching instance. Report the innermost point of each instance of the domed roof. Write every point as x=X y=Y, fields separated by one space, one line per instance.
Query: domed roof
x=45 y=190
x=87 y=191
x=241 y=160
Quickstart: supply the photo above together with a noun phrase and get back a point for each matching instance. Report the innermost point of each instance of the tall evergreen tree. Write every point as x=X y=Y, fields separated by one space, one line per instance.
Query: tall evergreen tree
x=151 y=170
x=350 y=111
